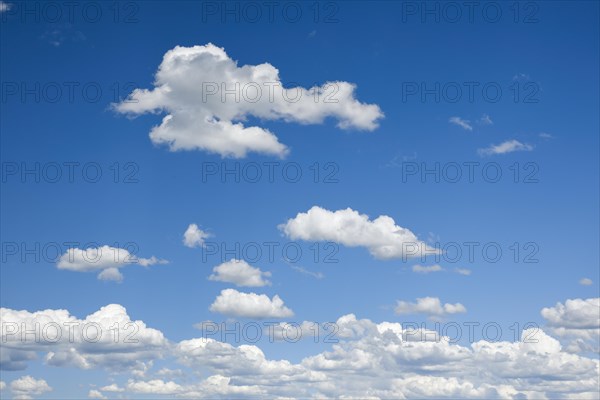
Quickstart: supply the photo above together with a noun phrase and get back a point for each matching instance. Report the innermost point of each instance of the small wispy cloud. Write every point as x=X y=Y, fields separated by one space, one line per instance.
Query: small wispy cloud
x=485 y=120
x=505 y=147
x=399 y=159
x=462 y=271
x=420 y=269
x=312 y=34
x=521 y=77
x=463 y=123
x=62 y=34
x=585 y=282
x=545 y=135
x=317 y=275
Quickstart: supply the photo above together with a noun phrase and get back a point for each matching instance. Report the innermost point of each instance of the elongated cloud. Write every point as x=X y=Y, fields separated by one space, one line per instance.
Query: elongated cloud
x=381 y=236
x=463 y=123
x=421 y=269
x=431 y=306
x=249 y=305
x=207 y=97
x=105 y=259
x=505 y=147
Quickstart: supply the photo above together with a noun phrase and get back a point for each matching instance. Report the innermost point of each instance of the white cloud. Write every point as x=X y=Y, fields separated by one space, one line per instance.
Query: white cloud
x=426 y=269
x=106 y=259
x=430 y=306
x=114 y=388
x=374 y=360
x=240 y=273
x=111 y=274
x=249 y=305
x=462 y=271
x=585 y=281
x=156 y=386
x=2 y=385
x=545 y=135
x=4 y=6
x=485 y=120
x=381 y=236
x=170 y=372
x=68 y=341
x=146 y=262
x=463 y=123
x=577 y=323
x=95 y=394
x=575 y=313
x=304 y=271
x=194 y=236
x=191 y=87
x=27 y=386
x=505 y=147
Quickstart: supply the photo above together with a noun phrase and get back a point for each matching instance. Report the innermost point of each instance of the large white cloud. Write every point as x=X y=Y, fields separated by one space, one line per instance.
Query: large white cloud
x=381 y=236
x=191 y=87
x=249 y=305
x=240 y=273
x=106 y=338
x=577 y=322
x=27 y=386
x=373 y=360
x=431 y=306
x=105 y=259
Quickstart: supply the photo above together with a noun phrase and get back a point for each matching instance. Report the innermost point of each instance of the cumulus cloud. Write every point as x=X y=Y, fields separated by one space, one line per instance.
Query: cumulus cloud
x=421 y=269
x=27 y=386
x=95 y=394
x=463 y=123
x=575 y=313
x=249 y=305
x=194 y=236
x=374 y=360
x=381 y=236
x=106 y=259
x=113 y=388
x=577 y=323
x=431 y=306
x=505 y=147
x=82 y=343
x=156 y=386
x=207 y=98
x=240 y=273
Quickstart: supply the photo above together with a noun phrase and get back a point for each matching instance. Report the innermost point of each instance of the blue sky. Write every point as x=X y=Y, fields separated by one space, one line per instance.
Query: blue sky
x=544 y=124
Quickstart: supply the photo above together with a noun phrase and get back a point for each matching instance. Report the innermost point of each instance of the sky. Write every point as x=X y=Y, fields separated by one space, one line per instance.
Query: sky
x=265 y=199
